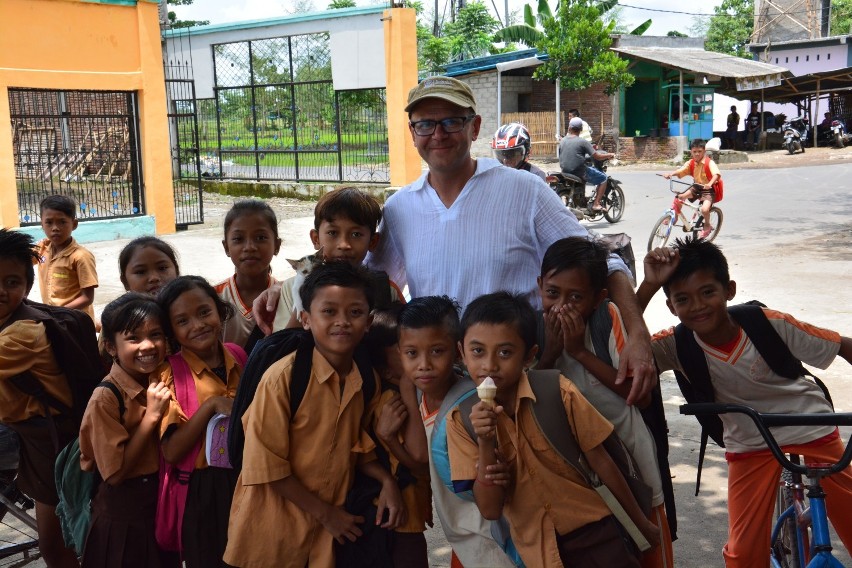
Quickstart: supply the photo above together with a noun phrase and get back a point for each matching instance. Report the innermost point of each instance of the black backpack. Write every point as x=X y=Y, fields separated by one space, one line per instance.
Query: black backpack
x=73 y=341
x=695 y=383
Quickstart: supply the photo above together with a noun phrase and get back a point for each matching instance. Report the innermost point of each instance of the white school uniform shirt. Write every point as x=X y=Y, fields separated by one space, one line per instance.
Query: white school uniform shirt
x=467 y=531
x=743 y=377
x=492 y=237
x=627 y=420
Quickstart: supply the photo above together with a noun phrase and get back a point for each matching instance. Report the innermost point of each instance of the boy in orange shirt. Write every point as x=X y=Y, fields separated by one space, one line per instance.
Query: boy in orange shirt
x=698 y=168
x=67 y=275
x=298 y=467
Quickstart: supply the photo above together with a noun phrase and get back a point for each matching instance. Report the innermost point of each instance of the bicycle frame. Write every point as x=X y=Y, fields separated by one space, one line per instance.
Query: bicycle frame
x=677 y=210
x=821 y=540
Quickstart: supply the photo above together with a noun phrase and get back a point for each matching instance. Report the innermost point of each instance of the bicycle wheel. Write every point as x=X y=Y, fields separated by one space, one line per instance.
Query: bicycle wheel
x=785 y=547
x=661 y=232
x=613 y=201
x=715 y=225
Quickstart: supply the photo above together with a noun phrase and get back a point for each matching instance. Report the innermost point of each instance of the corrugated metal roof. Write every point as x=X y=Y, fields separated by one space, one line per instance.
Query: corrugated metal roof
x=703 y=62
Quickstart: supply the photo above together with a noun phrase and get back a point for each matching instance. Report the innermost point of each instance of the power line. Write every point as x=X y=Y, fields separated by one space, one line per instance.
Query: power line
x=705 y=15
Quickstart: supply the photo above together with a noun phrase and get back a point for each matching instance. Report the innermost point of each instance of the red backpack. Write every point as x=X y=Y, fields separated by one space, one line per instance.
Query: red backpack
x=719 y=187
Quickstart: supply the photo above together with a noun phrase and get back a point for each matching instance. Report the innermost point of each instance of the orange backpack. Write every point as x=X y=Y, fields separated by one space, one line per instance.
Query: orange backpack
x=719 y=187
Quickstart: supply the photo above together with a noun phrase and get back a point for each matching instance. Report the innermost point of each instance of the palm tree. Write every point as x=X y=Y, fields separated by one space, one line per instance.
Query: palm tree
x=529 y=33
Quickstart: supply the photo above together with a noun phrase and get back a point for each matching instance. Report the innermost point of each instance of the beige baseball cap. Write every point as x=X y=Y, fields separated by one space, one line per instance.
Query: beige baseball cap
x=445 y=88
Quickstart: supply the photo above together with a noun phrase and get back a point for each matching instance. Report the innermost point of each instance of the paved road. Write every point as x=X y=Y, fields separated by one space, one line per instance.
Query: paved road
x=788 y=237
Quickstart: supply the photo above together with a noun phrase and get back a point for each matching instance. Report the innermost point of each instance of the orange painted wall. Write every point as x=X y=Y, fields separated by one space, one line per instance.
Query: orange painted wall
x=70 y=44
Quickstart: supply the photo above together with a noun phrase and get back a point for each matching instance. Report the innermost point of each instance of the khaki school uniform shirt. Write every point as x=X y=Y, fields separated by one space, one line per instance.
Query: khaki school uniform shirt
x=320 y=446
x=417 y=496
x=61 y=277
x=105 y=433
x=207 y=385
x=24 y=347
x=698 y=173
x=238 y=328
x=547 y=496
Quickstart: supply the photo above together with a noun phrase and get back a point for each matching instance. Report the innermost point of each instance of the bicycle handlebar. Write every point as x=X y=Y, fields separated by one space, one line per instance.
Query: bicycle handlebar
x=765 y=421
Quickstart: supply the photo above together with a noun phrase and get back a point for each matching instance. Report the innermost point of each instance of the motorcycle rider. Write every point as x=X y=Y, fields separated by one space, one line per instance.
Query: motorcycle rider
x=573 y=151
x=511 y=146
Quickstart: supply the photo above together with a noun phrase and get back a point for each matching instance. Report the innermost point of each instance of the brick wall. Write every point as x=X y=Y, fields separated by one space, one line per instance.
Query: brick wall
x=646 y=149
x=484 y=87
x=594 y=105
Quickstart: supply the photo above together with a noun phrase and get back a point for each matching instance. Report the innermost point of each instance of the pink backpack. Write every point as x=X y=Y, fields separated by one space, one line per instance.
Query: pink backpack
x=174 y=478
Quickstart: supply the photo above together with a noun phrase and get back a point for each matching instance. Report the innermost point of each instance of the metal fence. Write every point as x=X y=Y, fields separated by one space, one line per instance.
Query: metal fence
x=82 y=144
x=279 y=117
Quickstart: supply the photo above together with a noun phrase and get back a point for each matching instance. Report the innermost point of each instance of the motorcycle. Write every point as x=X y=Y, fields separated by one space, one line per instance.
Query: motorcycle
x=796 y=134
x=834 y=134
x=572 y=191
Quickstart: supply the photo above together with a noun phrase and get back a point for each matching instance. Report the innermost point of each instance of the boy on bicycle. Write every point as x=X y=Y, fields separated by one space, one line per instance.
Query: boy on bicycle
x=705 y=173
x=695 y=279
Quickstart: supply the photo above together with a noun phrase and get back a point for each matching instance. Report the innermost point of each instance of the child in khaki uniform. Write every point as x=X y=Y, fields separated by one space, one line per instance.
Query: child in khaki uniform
x=67 y=275
x=297 y=468
x=556 y=518
x=399 y=430
x=25 y=347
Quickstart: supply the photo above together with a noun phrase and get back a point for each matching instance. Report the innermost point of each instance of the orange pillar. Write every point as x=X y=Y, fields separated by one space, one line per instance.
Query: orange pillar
x=401 y=77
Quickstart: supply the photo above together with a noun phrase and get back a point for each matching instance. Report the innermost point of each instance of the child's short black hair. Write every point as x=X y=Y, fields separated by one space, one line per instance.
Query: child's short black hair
x=503 y=308
x=432 y=311
x=61 y=203
x=335 y=273
x=698 y=143
x=171 y=291
x=383 y=333
x=695 y=255
x=248 y=206
x=578 y=252
x=352 y=203
x=20 y=247
x=143 y=242
x=127 y=312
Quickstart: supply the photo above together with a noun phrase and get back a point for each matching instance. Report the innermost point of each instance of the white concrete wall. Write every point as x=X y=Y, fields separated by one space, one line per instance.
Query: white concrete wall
x=357 y=45
x=804 y=60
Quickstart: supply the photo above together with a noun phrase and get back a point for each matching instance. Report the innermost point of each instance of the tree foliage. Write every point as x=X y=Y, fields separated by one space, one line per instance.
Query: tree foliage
x=173 y=19
x=338 y=4
x=577 y=43
x=841 y=17
x=730 y=28
x=470 y=35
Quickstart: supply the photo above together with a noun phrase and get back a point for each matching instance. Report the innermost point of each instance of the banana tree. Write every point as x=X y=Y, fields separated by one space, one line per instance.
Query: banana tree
x=531 y=31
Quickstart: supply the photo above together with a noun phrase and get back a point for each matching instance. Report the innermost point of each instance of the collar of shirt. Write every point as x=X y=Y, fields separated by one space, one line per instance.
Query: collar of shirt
x=196 y=365
x=125 y=382
x=482 y=165
x=69 y=248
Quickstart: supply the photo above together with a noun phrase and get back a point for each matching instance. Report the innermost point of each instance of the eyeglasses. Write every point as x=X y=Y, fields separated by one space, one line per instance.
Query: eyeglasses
x=448 y=125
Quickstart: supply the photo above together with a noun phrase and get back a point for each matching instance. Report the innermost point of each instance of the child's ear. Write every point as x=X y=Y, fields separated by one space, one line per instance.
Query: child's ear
x=314 y=234
x=225 y=246
x=305 y=320
x=530 y=356
x=278 y=242
x=109 y=347
x=538 y=281
x=602 y=295
x=732 y=290
x=74 y=224
x=374 y=241
x=671 y=307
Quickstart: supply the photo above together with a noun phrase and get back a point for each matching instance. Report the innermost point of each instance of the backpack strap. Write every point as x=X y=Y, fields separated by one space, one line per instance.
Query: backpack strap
x=600 y=327
x=238 y=353
x=692 y=167
x=112 y=386
x=301 y=372
x=185 y=392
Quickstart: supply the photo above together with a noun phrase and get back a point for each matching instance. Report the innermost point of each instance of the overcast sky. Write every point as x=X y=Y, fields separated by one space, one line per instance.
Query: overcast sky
x=666 y=14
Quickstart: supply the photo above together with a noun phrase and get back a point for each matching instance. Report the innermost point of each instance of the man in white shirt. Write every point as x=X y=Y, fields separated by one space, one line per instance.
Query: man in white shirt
x=469 y=227
x=586 y=132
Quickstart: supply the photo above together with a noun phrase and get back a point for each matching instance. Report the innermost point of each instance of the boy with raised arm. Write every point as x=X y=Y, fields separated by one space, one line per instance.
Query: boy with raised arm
x=695 y=279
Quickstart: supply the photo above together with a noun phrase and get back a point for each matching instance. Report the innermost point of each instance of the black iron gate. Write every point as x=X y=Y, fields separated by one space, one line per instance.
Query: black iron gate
x=82 y=144
x=183 y=131
x=279 y=117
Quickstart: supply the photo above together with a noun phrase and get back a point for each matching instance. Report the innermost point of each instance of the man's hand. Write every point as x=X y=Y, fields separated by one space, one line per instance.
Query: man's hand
x=264 y=307
x=637 y=361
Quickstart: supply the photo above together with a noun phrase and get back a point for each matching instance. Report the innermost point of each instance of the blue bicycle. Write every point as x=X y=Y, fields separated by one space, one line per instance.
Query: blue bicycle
x=792 y=545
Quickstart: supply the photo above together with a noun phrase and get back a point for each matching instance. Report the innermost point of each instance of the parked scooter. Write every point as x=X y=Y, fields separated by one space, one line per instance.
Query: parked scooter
x=572 y=191
x=834 y=134
x=796 y=134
